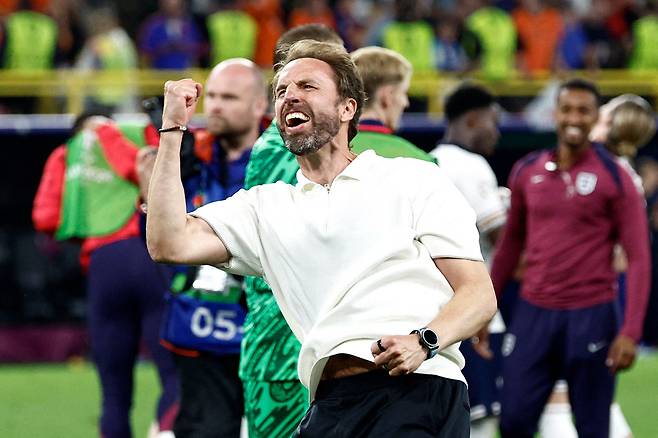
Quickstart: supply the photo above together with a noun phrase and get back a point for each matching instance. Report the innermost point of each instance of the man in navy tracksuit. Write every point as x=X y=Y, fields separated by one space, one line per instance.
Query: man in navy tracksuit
x=569 y=207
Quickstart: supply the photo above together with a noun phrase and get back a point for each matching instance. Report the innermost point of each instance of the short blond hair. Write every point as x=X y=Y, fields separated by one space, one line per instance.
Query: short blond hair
x=632 y=124
x=378 y=67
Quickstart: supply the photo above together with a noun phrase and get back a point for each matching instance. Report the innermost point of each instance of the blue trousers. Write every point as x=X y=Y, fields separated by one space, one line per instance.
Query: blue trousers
x=483 y=377
x=125 y=302
x=544 y=345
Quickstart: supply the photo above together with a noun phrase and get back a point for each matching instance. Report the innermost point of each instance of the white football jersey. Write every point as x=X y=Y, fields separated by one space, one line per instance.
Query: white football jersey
x=476 y=181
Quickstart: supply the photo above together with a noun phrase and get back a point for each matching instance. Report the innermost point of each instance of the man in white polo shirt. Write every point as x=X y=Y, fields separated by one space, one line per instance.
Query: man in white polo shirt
x=374 y=262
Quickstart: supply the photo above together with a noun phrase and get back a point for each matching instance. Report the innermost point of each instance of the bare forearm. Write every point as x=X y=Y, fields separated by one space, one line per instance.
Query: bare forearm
x=171 y=235
x=464 y=315
x=167 y=215
x=472 y=306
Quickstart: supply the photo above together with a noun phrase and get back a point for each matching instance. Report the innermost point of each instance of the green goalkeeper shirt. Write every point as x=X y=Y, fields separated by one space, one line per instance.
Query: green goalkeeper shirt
x=269 y=349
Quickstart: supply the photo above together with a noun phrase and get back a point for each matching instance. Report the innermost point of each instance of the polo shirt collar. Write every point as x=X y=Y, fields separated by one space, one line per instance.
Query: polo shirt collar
x=551 y=156
x=357 y=170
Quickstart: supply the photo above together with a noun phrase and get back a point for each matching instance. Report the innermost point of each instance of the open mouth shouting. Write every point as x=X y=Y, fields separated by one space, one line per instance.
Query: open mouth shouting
x=295 y=121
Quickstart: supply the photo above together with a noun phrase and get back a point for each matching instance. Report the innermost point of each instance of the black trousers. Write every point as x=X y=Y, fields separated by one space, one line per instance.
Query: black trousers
x=211 y=404
x=377 y=405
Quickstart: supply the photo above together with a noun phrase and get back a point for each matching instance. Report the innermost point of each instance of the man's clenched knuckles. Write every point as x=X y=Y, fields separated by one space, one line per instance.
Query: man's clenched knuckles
x=183 y=88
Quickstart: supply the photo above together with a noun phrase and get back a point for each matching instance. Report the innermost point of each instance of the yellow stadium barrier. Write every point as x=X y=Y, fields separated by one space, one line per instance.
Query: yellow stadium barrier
x=72 y=86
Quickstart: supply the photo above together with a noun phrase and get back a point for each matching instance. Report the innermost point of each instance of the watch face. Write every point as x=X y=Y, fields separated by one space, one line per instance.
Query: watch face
x=430 y=337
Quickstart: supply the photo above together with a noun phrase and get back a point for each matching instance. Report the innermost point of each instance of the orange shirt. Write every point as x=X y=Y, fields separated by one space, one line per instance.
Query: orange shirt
x=9 y=6
x=301 y=16
x=267 y=14
x=539 y=35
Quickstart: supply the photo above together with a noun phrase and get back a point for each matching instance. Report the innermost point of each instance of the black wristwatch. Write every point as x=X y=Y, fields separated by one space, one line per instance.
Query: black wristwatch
x=428 y=339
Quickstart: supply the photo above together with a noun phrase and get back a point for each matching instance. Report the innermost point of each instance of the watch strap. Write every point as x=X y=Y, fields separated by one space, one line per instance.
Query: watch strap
x=432 y=350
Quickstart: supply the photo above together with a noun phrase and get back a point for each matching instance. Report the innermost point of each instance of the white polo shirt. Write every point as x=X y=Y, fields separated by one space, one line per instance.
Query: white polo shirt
x=353 y=263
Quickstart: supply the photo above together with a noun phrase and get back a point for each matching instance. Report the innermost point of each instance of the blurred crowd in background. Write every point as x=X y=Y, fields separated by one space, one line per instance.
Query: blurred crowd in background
x=494 y=37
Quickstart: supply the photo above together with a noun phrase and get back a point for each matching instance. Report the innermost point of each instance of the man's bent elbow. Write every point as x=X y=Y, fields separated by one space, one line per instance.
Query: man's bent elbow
x=160 y=251
x=488 y=306
x=492 y=306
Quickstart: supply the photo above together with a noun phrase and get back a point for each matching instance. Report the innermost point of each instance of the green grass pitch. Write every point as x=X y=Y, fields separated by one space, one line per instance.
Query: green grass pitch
x=62 y=400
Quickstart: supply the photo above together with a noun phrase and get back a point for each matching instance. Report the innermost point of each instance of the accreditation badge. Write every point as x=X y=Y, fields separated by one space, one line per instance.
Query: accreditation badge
x=208 y=316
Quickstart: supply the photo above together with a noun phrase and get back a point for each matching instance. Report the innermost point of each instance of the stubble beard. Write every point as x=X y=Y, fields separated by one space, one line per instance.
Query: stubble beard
x=325 y=128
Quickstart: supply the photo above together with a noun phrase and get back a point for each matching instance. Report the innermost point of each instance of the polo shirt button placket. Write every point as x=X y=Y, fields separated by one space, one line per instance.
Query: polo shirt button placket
x=568 y=181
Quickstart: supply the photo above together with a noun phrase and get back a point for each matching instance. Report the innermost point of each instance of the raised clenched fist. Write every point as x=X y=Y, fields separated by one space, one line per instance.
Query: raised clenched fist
x=180 y=98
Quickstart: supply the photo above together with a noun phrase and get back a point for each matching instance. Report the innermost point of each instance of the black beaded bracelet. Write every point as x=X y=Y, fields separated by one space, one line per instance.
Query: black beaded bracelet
x=173 y=128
